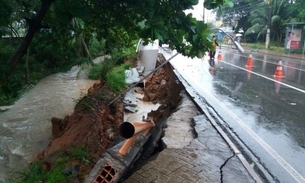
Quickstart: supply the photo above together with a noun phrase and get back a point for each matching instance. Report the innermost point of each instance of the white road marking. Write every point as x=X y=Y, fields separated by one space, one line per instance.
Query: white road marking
x=284 y=84
x=274 y=63
x=298 y=177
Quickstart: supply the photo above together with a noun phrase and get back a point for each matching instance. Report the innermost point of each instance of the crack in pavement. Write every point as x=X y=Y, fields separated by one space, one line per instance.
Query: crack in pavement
x=224 y=164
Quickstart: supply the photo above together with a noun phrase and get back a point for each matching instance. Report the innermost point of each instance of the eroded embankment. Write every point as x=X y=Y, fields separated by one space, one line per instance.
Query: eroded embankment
x=93 y=126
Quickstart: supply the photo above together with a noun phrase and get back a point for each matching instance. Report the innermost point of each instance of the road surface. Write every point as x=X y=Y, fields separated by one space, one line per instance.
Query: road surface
x=264 y=115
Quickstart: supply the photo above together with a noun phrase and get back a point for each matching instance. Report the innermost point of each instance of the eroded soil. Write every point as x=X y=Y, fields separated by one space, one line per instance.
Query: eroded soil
x=94 y=125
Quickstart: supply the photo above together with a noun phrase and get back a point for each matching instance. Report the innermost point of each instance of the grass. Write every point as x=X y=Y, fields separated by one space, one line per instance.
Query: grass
x=261 y=46
x=36 y=173
x=274 y=46
x=116 y=78
x=111 y=70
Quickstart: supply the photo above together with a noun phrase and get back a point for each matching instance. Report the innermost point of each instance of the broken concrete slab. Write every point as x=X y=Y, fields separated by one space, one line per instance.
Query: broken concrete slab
x=132 y=76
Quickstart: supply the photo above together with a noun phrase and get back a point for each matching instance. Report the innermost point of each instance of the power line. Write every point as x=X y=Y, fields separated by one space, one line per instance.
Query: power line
x=232 y=13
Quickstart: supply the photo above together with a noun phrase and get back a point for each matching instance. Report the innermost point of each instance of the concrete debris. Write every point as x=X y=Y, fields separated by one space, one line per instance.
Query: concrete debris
x=132 y=76
x=130 y=102
x=130 y=109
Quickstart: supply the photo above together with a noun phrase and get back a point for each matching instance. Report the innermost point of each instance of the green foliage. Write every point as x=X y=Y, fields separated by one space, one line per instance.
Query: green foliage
x=97 y=47
x=116 y=78
x=257 y=45
x=274 y=46
x=47 y=56
x=99 y=71
x=280 y=13
x=96 y=71
x=299 y=7
x=212 y=4
x=130 y=50
x=9 y=89
x=80 y=153
x=5 y=51
x=36 y=173
x=70 y=26
x=5 y=12
x=85 y=105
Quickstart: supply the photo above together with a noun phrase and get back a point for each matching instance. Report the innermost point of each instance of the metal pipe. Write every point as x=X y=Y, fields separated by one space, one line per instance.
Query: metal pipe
x=141 y=80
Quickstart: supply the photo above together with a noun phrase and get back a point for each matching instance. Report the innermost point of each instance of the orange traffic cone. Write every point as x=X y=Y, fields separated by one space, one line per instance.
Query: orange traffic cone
x=219 y=56
x=279 y=70
x=249 y=62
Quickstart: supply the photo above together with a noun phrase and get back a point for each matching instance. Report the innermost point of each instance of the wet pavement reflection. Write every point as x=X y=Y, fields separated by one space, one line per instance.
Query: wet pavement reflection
x=264 y=112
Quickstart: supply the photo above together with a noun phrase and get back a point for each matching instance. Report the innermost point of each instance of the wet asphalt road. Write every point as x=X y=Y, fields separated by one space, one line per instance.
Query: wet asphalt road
x=266 y=116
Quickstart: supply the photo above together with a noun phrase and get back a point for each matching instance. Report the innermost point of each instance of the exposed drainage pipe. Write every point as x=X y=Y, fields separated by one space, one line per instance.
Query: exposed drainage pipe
x=141 y=80
x=130 y=131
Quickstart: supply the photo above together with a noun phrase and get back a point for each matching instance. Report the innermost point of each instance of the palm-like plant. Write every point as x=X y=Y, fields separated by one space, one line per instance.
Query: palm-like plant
x=280 y=15
x=258 y=18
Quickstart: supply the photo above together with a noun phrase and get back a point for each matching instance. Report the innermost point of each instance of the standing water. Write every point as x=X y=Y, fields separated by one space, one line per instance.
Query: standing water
x=25 y=129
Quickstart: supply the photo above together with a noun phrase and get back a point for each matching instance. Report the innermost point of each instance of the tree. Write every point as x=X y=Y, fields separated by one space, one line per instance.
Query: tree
x=111 y=20
x=34 y=26
x=239 y=10
x=298 y=7
x=280 y=15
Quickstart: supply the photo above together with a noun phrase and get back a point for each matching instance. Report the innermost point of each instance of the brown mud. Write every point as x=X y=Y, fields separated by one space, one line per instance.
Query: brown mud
x=93 y=125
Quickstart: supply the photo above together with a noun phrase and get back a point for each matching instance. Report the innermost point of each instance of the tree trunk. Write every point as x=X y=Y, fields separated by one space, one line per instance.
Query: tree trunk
x=34 y=26
x=87 y=50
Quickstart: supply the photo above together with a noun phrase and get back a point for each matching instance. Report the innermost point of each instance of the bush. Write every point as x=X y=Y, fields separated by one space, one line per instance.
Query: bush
x=100 y=70
x=131 y=51
x=116 y=78
x=96 y=47
x=96 y=71
x=5 y=51
x=35 y=172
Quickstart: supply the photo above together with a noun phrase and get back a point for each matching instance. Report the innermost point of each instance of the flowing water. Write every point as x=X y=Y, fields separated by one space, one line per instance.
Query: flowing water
x=25 y=129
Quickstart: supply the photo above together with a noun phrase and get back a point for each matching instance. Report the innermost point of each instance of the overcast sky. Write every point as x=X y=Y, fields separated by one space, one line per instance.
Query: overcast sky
x=198 y=11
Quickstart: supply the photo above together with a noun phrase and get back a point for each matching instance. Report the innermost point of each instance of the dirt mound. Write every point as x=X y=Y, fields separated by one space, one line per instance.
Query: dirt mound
x=93 y=126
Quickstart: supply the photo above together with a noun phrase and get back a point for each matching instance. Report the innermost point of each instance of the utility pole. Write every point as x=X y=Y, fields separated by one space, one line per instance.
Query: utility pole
x=268 y=24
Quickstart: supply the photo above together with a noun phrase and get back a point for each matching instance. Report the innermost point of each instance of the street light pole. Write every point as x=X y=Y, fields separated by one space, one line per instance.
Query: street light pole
x=268 y=24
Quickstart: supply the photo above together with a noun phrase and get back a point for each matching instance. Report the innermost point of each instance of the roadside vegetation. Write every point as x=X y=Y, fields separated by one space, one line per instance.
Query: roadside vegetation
x=42 y=37
x=63 y=171
x=253 y=17
x=262 y=46
x=43 y=61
